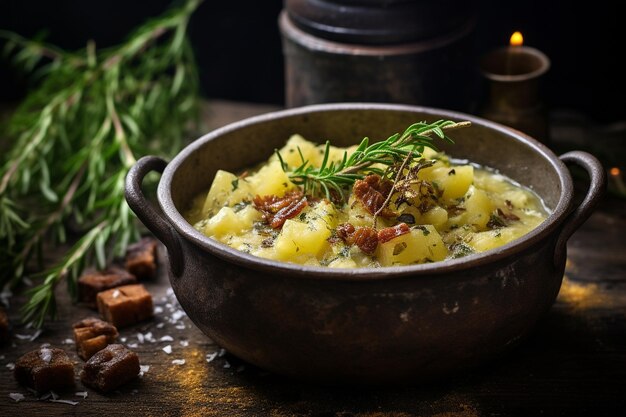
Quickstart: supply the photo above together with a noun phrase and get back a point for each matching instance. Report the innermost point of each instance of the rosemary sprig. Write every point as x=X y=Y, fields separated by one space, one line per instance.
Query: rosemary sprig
x=335 y=178
x=72 y=140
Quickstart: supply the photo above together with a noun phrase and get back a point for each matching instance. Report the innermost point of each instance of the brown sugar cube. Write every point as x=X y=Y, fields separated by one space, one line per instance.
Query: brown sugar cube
x=45 y=369
x=113 y=366
x=93 y=282
x=125 y=305
x=92 y=335
x=141 y=258
x=4 y=327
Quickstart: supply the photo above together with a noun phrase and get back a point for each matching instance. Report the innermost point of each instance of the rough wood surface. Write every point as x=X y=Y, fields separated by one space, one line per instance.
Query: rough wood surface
x=574 y=363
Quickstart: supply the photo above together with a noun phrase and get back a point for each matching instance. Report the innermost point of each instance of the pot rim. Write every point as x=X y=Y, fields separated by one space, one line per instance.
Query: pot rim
x=212 y=247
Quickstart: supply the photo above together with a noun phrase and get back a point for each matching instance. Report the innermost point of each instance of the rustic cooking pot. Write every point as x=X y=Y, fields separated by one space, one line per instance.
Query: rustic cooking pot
x=364 y=325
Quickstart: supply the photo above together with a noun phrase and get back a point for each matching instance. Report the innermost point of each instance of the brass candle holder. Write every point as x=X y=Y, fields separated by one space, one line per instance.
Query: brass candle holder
x=514 y=74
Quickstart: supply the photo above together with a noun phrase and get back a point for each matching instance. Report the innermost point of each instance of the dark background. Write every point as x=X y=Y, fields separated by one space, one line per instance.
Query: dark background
x=238 y=45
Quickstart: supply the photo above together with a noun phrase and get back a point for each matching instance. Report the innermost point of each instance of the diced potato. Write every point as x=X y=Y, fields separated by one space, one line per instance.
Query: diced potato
x=518 y=198
x=490 y=239
x=342 y=263
x=437 y=216
x=226 y=190
x=270 y=180
x=417 y=246
x=308 y=236
x=478 y=209
x=227 y=222
x=454 y=181
x=291 y=155
x=358 y=215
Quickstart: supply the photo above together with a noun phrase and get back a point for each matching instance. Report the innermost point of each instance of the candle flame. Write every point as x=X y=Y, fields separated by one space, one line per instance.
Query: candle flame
x=615 y=171
x=517 y=39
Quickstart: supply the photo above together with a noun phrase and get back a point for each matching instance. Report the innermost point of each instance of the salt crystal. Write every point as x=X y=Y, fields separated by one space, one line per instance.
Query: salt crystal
x=133 y=345
x=221 y=353
x=16 y=396
x=45 y=345
x=177 y=315
x=10 y=365
x=140 y=337
x=65 y=402
x=45 y=354
x=180 y=326
x=166 y=339
x=83 y=394
x=167 y=349
x=170 y=291
x=148 y=336
x=184 y=343
x=211 y=356
x=68 y=342
x=123 y=340
x=178 y=362
x=143 y=369
x=158 y=310
x=226 y=365
x=115 y=294
x=160 y=325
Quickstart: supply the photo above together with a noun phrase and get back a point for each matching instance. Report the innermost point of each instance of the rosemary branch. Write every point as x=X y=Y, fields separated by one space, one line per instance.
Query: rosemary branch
x=72 y=140
x=335 y=178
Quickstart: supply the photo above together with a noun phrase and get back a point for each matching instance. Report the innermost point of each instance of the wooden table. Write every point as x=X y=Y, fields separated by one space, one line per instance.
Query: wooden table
x=574 y=363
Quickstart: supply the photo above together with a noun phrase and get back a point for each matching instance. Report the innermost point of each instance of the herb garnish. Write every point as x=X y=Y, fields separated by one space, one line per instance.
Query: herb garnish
x=73 y=140
x=333 y=179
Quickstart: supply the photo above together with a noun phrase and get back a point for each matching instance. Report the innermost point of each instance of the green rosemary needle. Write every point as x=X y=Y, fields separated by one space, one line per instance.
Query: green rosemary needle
x=72 y=140
x=335 y=178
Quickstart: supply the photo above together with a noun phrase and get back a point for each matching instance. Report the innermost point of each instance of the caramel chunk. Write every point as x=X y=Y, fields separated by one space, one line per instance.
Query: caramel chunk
x=45 y=369
x=113 y=366
x=93 y=282
x=93 y=335
x=125 y=305
x=141 y=258
x=388 y=233
x=4 y=327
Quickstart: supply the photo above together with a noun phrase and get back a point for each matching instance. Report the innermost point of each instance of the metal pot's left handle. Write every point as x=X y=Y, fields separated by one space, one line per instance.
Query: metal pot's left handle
x=153 y=220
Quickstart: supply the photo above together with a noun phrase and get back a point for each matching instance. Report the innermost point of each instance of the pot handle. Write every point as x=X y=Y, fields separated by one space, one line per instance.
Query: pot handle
x=153 y=220
x=596 y=189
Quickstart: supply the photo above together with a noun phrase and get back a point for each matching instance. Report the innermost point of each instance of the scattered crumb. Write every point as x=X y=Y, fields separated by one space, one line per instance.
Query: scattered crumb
x=166 y=338
x=178 y=362
x=167 y=349
x=10 y=365
x=211 y=356
x=143 y=369
x=184 y=343
x=226 y=365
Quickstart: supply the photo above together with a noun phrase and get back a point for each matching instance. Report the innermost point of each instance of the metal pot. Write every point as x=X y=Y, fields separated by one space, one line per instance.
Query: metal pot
x=364 y=325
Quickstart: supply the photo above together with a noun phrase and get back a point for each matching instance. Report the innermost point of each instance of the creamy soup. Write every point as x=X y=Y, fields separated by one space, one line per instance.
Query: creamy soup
x=437 y=209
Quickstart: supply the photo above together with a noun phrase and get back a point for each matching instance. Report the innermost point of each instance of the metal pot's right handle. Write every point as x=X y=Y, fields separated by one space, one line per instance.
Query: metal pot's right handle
x=153 y=220
x=597 y=187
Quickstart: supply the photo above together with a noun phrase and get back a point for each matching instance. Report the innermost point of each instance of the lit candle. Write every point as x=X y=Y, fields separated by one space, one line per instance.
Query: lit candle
x=513 y=74
x=616 y=181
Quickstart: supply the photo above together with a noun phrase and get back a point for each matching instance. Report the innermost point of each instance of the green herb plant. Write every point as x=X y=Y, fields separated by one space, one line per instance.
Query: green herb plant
x=68 y=147
x=336 y=178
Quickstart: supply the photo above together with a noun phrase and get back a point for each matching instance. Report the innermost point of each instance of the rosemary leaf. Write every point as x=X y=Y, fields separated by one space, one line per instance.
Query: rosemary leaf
x=72 y=140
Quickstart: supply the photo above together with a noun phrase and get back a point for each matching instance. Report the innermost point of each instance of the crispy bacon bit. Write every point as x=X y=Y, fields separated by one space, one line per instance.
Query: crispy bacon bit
x=388 y=233
x=372 y=192
x=344 y=231
x=366 y=238
x=276 y=210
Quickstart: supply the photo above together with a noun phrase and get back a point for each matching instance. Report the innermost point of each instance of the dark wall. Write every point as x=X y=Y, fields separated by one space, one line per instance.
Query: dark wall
x=239 y=50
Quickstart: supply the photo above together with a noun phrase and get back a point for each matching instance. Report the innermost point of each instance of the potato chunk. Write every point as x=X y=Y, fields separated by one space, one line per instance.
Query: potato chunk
x=226 y=190
x=270 y=180
x=307 y=236
x=420 y=245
